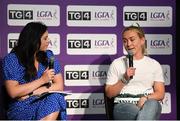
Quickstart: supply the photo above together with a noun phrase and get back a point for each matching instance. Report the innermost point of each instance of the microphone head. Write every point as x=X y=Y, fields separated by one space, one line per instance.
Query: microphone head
x=130 y=57
x=130 y=52
x=51 y=63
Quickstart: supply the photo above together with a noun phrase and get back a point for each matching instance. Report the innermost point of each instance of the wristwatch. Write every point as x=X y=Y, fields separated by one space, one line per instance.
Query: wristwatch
x=124 y=81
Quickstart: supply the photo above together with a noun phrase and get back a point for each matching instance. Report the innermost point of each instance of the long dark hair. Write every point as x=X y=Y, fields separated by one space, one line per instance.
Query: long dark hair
x=28 y=45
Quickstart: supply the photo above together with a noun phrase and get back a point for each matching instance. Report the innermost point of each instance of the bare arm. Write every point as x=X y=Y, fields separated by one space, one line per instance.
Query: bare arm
x=57 y=85
x=16 y=90
x=113 y=90
x=159 y=91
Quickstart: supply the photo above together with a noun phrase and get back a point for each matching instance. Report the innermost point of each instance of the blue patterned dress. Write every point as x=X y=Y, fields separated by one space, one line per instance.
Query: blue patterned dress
x=29 y=109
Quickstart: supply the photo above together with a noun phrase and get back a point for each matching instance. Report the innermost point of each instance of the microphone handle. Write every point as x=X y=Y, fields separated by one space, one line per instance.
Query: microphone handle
x=131 y=63
x=131 y=77
x=51 y=66
x=51 y=63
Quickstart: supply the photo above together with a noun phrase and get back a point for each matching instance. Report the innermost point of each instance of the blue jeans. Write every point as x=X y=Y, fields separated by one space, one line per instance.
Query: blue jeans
x=127 y=111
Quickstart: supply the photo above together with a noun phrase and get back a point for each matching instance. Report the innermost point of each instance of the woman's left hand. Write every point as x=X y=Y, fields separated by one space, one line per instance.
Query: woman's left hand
x=141 y=101
x=40 y=90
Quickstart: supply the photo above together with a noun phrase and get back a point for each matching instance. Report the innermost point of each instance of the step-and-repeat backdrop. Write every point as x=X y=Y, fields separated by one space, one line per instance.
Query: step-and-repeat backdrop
x=85 y=36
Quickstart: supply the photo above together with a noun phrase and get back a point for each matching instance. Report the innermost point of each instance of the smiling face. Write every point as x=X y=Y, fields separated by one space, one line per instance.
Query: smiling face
x=133 y=42
x=44 y=41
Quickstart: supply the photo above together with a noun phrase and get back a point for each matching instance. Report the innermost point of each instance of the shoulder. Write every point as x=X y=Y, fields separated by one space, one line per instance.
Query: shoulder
x=151 y=60
x=10 y=57
x=120 y=60
x=119 y=63
x=49 y=53
x=10 y=60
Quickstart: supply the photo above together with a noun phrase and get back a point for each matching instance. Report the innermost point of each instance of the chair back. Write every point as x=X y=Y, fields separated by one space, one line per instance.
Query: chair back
x=4 y=100
x=109 y=105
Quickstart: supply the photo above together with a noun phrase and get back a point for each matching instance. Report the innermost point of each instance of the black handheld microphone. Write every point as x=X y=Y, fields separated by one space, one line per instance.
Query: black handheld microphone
x=130 y=57
x=51 y=63
x=51 y=66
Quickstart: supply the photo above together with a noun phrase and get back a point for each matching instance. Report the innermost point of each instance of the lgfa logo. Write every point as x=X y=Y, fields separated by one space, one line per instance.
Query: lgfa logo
x=159 y=44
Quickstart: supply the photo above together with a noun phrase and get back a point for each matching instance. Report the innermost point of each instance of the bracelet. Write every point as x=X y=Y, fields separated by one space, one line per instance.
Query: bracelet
x=49 y=84
x=30 y=94
x=146 y=96
x=124 y=81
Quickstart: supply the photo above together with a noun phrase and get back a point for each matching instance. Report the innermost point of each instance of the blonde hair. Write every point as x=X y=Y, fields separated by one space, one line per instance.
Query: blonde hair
x=140 y=33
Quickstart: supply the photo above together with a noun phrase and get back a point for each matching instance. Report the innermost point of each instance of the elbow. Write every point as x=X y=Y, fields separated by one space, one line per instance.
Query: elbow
x=58 y=87
x=108 y=93
x=13 y=96
x=162 y=96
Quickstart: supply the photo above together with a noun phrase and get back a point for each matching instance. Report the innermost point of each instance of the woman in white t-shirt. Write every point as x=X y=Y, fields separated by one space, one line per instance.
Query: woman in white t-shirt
x=136 y=89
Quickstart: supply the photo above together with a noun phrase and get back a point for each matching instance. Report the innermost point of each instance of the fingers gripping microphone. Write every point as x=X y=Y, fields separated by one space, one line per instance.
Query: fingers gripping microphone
x=51 y=66
x=130 y=57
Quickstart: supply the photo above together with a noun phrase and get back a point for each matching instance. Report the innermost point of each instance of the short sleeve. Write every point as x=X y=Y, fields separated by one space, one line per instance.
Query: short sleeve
x=57 y=66
x=114 y=73
x=116 y=70
x=158 y=73
x=12 y=70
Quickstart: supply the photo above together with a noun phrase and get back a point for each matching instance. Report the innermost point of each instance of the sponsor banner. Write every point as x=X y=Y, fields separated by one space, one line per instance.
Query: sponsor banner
x=157 y=44
x=21 y=14
x=12 y=41
x=85 y=75
x=91 y=44
x=148 y=16
x=167 y=75
x=166 y=103
x=93 y=103
x=54 y=44
x=85 y=103
x=93 y=16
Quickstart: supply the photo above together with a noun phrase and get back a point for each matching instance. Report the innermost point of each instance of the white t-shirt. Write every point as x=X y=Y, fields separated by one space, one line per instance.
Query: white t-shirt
x=147 y=72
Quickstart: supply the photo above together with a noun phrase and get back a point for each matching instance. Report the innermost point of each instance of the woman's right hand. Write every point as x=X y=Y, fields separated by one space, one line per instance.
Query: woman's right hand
x=129 y=72
x=141 y=102
x=48 y=75
x=40 y=90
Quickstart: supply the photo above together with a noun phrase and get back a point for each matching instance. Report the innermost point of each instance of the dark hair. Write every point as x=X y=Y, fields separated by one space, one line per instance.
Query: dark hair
x=28 y=45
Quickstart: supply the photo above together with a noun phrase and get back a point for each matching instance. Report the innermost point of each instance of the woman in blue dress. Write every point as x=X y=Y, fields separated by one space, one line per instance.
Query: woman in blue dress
x=27 y=76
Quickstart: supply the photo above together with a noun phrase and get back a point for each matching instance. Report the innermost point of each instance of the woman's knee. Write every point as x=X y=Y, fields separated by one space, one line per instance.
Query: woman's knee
x=151 y=103
x=56 y=96
x=52 y=116
x=125 y=111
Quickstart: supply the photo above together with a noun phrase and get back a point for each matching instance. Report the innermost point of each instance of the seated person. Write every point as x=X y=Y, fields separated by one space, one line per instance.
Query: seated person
x=27 y=76
x=136 y=89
